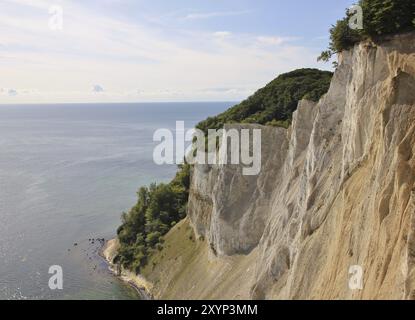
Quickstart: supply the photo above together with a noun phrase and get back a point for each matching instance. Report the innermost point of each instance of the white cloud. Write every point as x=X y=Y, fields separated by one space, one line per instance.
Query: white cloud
x=39 y=4
x=12 y=92
x=8 y=92
x=222 y=34
x=274 y=41
x=94 y=48
x=97 y=88
x=208 y=15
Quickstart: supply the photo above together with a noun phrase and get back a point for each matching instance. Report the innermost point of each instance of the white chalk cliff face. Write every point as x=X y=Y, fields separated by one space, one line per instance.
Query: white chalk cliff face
x=335 y=190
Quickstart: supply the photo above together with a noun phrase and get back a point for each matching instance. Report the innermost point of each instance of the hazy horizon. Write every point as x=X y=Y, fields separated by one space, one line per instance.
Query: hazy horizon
x=119 y=103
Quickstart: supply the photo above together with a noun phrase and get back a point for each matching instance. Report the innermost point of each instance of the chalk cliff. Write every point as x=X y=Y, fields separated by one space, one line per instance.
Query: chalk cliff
x=336 y=190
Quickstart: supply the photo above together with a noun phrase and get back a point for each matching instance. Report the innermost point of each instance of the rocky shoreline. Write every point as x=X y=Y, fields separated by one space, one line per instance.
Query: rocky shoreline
x=108 y=252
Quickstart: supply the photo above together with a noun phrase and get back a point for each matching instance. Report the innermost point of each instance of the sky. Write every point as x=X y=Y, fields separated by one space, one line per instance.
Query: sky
x=61 y=51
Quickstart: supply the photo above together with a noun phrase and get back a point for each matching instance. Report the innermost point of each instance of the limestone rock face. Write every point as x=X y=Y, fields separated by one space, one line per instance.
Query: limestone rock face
x=230 y=208
x=336 y=191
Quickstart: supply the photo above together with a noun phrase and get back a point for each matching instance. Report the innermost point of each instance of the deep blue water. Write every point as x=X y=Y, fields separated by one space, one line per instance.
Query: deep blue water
x=67 y=172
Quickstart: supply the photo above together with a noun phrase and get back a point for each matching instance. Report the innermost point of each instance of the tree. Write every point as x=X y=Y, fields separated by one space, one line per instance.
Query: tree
x=158 y=209
x=380 y=17
x=384 y=17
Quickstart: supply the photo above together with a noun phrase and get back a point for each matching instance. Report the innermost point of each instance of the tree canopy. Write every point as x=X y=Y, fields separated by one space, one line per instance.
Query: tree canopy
x=275 y=103
x=158 y=209
x=380 y=18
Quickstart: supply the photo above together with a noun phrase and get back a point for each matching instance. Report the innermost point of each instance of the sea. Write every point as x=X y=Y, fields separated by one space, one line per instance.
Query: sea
x=67 y=172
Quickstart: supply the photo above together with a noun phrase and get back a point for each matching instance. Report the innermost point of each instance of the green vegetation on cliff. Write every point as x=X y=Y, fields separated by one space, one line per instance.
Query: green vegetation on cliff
x=160 y=207
x=275 y=103
x=380 y=18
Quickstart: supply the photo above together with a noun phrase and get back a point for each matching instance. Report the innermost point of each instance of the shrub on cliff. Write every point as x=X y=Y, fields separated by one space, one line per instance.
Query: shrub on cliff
x=380 y=17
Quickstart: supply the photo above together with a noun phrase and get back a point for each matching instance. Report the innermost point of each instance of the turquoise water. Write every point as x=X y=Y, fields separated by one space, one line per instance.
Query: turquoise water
x=67 y=172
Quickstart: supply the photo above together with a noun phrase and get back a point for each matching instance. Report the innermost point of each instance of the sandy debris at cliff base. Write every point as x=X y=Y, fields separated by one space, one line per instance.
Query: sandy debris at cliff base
x=109 y=252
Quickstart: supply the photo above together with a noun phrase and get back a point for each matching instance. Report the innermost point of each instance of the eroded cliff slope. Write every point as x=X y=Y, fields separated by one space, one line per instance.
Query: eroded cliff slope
x=336 y=190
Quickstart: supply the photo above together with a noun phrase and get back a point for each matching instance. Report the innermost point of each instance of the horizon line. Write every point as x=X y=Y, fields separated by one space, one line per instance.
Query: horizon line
x=87 y=103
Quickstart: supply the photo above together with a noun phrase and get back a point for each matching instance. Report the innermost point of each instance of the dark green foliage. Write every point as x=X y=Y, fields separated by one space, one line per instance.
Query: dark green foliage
x=159 y=207
x=279 y=123
x=387 y=16
x=325 y=56
x=342 y=36
x=380 y=18
x=276 y=102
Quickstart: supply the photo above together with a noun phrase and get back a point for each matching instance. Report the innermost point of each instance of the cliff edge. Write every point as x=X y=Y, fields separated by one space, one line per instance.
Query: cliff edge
x=336 y=191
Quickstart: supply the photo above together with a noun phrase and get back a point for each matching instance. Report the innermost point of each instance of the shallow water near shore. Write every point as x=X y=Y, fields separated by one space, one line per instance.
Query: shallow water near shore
x=66 y=174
